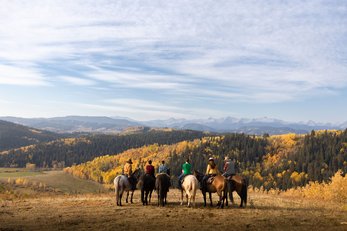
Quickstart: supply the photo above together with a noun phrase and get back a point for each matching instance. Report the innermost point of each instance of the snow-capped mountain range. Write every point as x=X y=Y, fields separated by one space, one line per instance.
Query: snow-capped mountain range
x=98 y=124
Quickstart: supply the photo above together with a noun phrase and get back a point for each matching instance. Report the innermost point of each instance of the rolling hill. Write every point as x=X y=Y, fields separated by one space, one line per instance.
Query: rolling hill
x=68 y=151
x=72 y=124
x=15 y=135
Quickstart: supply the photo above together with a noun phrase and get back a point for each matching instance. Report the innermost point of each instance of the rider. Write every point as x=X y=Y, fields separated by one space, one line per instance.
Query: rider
x=186 y=170
x=211 y=170
x=127 y=171
x=229 y=167
x=150 y=169
x=163 y=168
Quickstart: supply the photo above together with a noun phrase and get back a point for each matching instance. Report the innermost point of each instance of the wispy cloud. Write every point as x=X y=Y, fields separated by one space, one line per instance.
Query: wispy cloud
x=192 y=53
x=16 y=75
x=78 y=81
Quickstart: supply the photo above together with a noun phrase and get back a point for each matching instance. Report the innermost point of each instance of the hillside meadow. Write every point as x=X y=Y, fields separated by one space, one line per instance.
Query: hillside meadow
x=69 y=203
x=99 y=212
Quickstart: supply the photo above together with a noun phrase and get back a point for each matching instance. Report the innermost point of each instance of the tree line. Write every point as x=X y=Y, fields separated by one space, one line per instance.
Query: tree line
x=281 y=162
x=68 y=151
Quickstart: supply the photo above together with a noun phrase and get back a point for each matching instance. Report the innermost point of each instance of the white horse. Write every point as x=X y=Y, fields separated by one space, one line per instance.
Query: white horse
x=190 y=185
x=121 y=184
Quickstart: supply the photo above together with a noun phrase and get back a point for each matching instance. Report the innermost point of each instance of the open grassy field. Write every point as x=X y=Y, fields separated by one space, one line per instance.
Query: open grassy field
x=99 y=212
x=56 y=181
x=16 y=172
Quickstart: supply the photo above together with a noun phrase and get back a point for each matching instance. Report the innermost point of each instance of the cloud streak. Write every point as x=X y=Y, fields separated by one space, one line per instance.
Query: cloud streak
x=187 y=52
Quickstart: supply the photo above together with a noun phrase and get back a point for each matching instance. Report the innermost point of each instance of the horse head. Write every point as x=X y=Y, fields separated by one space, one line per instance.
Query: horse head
x=198 y=175
x=136 y=174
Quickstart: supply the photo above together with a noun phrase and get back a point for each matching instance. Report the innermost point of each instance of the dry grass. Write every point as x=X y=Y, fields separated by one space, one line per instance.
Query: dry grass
x=99 y=212
x=21 y=182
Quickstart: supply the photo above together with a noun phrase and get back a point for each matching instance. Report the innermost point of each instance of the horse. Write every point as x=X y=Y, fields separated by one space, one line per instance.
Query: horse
x=239 y=184
x=162 y=185
x=122 y=183
x=189 y=185
x=218 y=185
x=147 y=184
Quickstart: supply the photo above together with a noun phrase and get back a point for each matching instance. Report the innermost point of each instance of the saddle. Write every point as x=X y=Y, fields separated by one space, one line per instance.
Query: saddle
x=235 y=179
x=210 y=180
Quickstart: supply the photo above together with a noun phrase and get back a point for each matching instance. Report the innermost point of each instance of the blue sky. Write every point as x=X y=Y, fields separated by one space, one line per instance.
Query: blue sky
x=184 y=59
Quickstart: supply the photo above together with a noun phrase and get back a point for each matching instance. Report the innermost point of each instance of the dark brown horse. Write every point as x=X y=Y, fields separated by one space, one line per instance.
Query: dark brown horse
x=162 y=185
x=239 y=184
x=219 y=185
x=147 y=184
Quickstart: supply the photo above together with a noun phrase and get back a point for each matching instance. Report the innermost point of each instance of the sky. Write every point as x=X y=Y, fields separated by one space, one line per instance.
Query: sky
x=158 y=59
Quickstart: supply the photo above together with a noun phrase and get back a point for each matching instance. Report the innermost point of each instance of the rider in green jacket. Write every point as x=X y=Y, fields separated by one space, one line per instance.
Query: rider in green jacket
x=186 y=170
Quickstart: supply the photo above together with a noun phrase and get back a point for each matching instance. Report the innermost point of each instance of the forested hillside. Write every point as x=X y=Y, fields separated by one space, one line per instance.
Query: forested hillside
x=282 y=161
x=68 y=151
x=15 y=135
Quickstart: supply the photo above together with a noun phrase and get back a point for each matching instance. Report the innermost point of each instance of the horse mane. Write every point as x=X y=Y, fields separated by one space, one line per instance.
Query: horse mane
x=136 y=173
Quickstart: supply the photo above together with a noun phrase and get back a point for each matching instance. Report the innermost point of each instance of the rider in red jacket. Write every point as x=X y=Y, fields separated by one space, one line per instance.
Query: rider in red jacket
x=150 y=168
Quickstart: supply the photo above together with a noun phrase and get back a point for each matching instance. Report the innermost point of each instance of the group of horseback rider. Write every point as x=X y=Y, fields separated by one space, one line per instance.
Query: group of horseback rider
x=211 y=171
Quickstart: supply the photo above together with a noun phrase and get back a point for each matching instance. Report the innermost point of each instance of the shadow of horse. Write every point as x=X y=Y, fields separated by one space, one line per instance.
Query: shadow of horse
x=219 y=185
x=122 y=184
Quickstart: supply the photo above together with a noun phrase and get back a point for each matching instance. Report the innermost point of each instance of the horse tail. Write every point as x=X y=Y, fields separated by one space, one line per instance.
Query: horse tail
x=244 y=190
x=195 y=185
x=159 y=188
x=117 y=188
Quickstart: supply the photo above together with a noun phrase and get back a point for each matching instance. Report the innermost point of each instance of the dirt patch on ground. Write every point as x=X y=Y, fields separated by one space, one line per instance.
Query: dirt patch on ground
x=99 y=212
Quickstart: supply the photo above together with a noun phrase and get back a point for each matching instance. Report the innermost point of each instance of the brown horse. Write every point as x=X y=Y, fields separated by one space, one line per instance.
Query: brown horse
x=162 y=185
x=219 y=185
x=239 y=184
x=147 y=184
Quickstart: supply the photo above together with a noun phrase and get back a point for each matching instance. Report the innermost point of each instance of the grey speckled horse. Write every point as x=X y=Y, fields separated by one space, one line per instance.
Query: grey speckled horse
x=122 y=183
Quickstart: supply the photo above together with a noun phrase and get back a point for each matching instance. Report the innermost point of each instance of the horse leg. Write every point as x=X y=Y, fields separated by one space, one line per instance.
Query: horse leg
x=210 y=194
x=126 y=199
x=142 y=197
x=117 y=196
x=241 y=197
x=219 y=204
x=150 y=196
x=193 y=200
x=131 y=198
x=158 y=192
x=181 y=196
x=224 y=194
x=146 y=198
x=120 y=198
x=231 y=197
x=204 y=196
x=165 y=195
x=189 y=197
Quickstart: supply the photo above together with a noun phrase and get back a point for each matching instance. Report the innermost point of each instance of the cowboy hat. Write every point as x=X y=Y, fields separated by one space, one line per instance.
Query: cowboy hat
x=129 y=161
